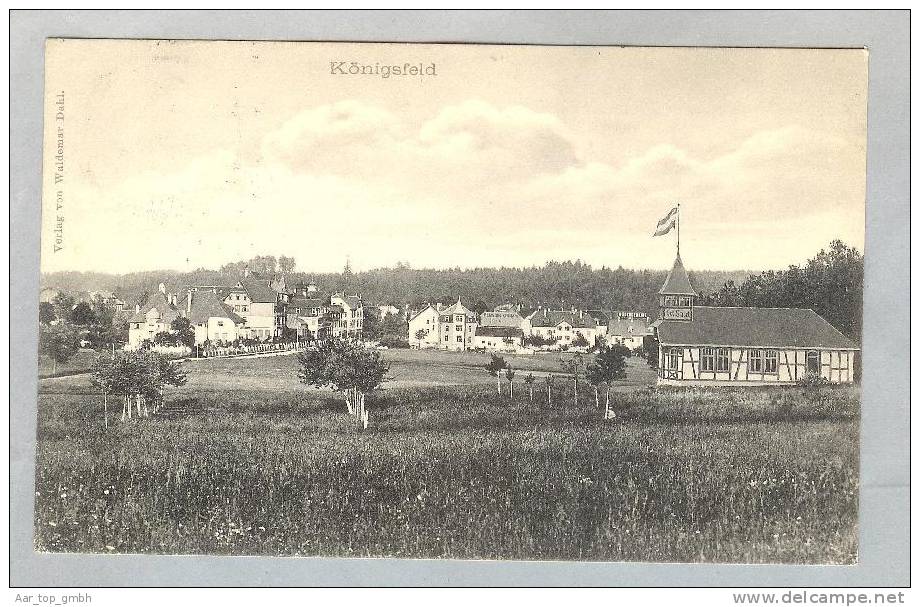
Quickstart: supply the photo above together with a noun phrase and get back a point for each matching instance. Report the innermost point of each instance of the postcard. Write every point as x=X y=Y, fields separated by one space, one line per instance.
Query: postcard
x=451 y=301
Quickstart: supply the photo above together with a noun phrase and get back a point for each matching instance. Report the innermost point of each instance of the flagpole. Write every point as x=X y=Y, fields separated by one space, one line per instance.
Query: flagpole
x=678 y=229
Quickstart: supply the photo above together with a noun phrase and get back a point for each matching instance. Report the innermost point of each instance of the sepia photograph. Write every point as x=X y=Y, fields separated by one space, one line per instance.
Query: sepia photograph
x=451 y=301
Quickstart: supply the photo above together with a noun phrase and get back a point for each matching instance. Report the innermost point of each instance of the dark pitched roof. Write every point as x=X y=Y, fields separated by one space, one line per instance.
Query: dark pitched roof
x=259 y=291
x=753 y=327
x=160 y=301
x=307 y=302
x=457 y=308
x=207 y=304
x=626 y=326
x=498 y=332
x=504 y=318
x=551 y=318
x=677 y=282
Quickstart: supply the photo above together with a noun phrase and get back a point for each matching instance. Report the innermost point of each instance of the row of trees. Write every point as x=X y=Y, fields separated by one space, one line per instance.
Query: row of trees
x=831 y=284
x=138 y=377
x=607 y=367
x=92 y=321
x=265 y=265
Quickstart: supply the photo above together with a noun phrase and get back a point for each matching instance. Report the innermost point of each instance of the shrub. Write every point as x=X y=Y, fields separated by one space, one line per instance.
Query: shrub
x=813 y=380
x=393 y=342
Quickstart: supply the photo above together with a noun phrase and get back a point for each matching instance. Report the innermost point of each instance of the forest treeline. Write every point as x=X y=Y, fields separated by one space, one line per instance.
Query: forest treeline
x=830 y=283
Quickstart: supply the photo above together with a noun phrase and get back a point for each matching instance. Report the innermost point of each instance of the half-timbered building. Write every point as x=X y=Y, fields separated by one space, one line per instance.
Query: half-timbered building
x=703 y=345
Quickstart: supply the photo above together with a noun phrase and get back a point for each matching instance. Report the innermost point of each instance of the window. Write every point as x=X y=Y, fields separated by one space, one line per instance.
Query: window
x=460 y=339
x=755 y=361
x=722 y=359
x=813 y=362
x=458 y=328
x=771 y=361
x=707 y=359
x=446 y=338
x=672 y=358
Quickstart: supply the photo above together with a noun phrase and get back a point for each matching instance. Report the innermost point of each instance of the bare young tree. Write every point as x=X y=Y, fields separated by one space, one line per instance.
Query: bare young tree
x=529 y=379
x=495 y=367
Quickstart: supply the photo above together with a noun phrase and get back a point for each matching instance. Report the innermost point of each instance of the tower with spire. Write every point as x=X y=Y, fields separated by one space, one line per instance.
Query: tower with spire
x=677 y=297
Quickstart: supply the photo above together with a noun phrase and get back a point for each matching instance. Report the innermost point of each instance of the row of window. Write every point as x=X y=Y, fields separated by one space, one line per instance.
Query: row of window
x=719 y=360
x=677 y=301
x=459 y=339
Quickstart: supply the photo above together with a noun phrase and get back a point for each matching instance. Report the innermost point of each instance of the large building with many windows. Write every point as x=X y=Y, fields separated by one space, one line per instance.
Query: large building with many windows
x=703 y=345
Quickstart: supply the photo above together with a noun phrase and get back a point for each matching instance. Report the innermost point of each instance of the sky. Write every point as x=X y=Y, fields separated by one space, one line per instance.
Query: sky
x=180 y=155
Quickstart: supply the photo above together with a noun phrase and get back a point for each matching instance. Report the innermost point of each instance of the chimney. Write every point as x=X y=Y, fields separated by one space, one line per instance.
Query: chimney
x=137 y=308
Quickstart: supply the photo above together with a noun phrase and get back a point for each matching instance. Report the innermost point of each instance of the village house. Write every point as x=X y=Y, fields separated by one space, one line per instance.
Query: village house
x=309 y=317
x=561 y=326
x=425 y=328
x=156 y=316
x=702 y=345
x=498 y=338
x=211 y=317
x=259 y=304
x=457 y=327
x=347 y=316
x=628 y=329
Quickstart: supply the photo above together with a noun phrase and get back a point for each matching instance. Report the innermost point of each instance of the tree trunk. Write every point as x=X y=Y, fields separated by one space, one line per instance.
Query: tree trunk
x=549 y=396
x=498 y=380
x=105 y=409
x=597 y=397
x=531 y=395
x=511 y=387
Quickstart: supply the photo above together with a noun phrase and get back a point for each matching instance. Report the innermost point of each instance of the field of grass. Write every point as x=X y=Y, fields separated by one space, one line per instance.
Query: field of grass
x=268 y=466
x=79 y=363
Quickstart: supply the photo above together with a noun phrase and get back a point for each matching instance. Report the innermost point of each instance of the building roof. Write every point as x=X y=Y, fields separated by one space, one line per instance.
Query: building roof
x=423 y=310
x=677 y=282
x=628 y=327
x=259 y=290
x=753 y=327
x=482 y=331
x=551 y=318
x=160 y=301
x=457 y=308
x=205 y=305
x=503 y=318
x=307 y=302
x=353 y=301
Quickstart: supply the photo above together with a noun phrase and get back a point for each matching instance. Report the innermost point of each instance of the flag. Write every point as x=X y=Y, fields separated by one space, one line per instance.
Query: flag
x=666 y=224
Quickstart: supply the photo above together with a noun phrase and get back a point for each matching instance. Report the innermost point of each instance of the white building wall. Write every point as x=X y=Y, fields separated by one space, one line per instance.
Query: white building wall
x=425 y=321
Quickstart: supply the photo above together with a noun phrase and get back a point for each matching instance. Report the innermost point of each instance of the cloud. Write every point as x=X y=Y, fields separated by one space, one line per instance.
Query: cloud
x=472 y=184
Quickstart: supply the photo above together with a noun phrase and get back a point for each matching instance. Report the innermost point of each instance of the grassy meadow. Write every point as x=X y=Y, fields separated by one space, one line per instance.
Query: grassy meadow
x=245 y=460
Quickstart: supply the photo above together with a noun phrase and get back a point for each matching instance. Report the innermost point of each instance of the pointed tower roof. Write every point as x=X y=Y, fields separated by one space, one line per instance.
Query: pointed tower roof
x=677 y=282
